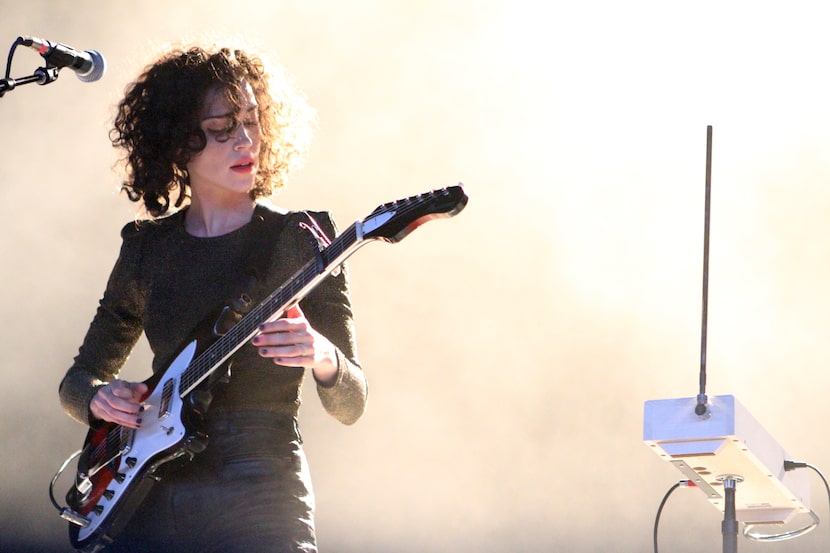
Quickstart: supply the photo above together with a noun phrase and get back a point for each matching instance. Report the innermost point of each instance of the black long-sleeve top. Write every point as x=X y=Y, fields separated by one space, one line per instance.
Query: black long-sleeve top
x=166 y=282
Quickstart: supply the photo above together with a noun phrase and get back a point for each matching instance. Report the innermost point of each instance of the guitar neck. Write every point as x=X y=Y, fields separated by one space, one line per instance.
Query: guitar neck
x=390 y=222
x=292 y=291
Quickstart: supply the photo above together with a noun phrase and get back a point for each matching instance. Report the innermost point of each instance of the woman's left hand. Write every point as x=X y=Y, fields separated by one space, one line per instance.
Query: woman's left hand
x=292 y=342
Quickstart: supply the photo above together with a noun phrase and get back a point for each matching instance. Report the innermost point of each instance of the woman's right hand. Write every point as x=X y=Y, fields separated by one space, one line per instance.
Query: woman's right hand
x=119 y=402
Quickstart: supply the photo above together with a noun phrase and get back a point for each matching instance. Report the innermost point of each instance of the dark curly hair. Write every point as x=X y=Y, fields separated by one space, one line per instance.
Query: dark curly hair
x=157 y=122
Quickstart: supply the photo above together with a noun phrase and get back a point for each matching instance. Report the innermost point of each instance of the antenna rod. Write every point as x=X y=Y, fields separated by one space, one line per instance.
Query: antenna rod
x=701 y=408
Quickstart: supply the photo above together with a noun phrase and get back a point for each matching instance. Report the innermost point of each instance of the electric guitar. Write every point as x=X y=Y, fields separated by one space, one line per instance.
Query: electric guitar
x=118 y=465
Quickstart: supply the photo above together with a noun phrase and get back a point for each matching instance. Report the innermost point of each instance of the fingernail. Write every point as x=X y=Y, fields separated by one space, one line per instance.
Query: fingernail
x=138 y=421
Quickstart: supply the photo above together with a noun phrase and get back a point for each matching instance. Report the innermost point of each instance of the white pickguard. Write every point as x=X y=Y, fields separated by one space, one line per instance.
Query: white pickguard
x=161 y=429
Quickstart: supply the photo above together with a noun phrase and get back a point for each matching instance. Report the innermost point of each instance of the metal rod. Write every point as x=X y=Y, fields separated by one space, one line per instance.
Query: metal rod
x=701 y=409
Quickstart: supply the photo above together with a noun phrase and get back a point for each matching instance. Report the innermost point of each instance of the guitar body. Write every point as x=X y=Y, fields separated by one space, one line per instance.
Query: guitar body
x=119 y=465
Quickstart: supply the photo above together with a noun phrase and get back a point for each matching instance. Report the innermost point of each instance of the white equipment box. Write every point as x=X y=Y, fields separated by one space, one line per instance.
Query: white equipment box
x=728 y=443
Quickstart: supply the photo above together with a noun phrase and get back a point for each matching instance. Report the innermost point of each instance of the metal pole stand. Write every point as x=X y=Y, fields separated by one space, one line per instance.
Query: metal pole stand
x=729 y=526
x=42 y=75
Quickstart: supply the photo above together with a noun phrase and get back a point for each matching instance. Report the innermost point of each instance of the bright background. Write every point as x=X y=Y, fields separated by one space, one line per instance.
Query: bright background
x=509 y=350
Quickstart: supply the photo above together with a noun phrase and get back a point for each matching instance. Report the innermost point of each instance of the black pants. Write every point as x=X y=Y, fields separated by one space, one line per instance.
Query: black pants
x=248 y=492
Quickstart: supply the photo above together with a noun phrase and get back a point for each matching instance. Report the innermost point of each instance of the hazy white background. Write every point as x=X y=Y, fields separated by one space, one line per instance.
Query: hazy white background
x=509 y=350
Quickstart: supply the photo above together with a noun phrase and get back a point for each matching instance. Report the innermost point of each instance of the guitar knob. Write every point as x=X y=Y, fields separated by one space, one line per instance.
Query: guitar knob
x=131 y=461
x=120 y=476
x=109 y=494
x=98 y=509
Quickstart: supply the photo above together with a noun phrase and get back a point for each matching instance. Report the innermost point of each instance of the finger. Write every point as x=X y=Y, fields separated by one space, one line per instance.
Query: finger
x=139 y=390
x=119 y=388
x=124 y=419
x=292 y=318
x=126 y=390
x=106 y=407
x=295 y=354
x=287 y=351
x=130 y=391
x=124 y=396
x=283 y=324
x=281 y=332
x=294 y=312
x=126 y=405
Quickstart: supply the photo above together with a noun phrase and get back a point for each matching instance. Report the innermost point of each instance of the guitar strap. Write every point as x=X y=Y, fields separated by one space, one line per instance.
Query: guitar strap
x=256 y=260
x=260 y=252
x=258 y=257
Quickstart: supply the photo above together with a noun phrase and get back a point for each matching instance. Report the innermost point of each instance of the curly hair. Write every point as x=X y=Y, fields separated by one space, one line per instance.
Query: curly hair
x=157 y=122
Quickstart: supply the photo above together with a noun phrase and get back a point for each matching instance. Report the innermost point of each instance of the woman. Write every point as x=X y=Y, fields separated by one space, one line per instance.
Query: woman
x=208 y=135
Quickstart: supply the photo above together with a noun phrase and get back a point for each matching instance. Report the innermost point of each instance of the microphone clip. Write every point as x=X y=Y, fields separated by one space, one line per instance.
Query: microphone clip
x=46 y=74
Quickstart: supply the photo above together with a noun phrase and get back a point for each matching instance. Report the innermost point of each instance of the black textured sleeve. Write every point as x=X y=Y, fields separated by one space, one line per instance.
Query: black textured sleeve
x=329 y=311
x=114 y=331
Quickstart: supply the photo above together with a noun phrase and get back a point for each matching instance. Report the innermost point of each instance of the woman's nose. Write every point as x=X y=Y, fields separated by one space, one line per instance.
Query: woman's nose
x=242 y=137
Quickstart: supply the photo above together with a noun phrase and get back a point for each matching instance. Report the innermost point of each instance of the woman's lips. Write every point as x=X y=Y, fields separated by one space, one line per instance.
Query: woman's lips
x=245 y=167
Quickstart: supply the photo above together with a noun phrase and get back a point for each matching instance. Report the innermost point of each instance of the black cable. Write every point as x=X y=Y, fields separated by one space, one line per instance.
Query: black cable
x=792 y=465
x=662 y=503
x=17 y=43
x=7 y=83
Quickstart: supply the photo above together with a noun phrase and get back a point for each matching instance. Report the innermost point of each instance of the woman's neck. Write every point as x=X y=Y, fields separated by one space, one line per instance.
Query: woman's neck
x=204 y=219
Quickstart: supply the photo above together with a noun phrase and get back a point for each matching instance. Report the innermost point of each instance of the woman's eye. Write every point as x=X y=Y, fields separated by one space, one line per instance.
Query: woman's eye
x=220 y=129
x=223 y=128
x=228 y=126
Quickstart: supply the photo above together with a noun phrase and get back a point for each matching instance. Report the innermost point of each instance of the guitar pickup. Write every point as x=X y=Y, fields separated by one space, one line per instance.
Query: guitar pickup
x=166 y=396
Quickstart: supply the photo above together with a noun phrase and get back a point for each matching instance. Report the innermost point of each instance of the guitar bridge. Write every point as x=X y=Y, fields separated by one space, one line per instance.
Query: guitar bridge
x=105 y=454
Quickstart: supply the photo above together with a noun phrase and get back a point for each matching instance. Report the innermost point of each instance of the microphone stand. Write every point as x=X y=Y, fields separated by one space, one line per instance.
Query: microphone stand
x=729 y=526
x=42 y=76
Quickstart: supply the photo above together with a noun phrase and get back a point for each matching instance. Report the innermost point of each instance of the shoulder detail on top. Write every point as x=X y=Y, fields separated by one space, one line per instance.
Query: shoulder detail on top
x=268 y=208
x=143 y=226
x=263 y=206
x=272 y=214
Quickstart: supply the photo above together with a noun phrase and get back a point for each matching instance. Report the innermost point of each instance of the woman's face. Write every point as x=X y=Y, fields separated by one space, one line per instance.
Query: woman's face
x=228 y=163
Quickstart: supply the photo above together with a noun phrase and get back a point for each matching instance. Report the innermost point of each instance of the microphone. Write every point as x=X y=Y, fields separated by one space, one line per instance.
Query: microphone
x=88 y=65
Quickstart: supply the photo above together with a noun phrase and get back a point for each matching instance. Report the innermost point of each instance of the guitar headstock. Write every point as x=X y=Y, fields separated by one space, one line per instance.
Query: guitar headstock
x=393 y=221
